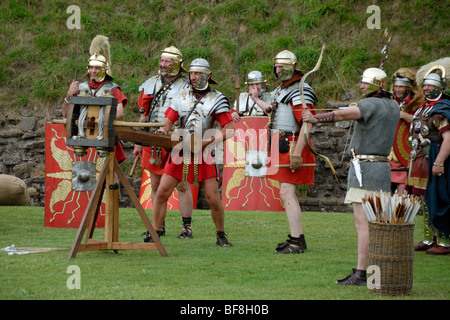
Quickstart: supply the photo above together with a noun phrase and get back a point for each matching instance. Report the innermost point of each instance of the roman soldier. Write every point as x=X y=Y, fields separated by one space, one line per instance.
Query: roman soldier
x=99 y=83
x=247 y=106
x=285 y=126
x=431 y=131
x=197 y=108
x=409 y=97
x=157 y=94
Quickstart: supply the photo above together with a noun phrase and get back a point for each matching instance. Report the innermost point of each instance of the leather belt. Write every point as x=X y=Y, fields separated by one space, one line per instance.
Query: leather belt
x=372 y=158
x=286 y=133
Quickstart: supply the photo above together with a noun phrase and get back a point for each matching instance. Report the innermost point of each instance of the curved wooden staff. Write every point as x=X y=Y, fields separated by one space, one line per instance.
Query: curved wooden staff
x=305 y=124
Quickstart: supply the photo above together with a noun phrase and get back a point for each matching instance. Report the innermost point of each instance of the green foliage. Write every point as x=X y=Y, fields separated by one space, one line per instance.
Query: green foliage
x=35 y=40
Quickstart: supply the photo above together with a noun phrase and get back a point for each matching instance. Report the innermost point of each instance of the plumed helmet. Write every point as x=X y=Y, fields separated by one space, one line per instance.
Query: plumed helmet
x=436 y=77
x=288 y=59
x=100 y=57
x=440 y=66
x=255 y=77
x=174 y=54
x=376 y=77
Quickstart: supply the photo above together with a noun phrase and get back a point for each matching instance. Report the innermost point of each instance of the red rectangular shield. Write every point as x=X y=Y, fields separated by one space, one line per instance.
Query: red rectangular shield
x=243 y=188
x=65 y=207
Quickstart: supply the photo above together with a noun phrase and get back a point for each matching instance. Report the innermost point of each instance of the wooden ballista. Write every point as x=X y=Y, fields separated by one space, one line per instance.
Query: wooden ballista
x=90 y=124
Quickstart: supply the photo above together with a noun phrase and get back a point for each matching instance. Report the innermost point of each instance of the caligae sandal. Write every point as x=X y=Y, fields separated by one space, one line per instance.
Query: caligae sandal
x=356 y=278
x=222 y=239
x=186 y=233
x=292 y=245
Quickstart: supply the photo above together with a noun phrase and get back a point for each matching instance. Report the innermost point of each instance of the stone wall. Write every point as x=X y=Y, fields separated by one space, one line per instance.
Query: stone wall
x=22 y=154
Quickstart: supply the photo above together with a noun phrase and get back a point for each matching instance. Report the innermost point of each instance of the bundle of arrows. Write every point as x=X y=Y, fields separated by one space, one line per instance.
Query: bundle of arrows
x=386 y=207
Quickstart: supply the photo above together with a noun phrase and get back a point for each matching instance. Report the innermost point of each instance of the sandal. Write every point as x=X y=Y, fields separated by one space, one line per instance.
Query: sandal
x=186 y=233
x=222 y=239
x=148 y=237
x=356 y=278
x=292 y=245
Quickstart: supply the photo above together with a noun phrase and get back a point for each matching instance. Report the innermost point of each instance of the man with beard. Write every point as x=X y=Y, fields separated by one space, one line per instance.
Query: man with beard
x=157 y=94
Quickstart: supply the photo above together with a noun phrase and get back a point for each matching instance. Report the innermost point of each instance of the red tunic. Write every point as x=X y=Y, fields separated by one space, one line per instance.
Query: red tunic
x=306 y=174
x=206 y=168
x=144 y=102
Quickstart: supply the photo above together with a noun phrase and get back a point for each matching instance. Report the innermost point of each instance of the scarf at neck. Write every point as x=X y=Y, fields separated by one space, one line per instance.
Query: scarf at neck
x=296 y=77
x=95 y=85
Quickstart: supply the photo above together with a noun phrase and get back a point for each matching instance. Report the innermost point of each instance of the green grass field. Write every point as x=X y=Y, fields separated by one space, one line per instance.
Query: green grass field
x=198 y=269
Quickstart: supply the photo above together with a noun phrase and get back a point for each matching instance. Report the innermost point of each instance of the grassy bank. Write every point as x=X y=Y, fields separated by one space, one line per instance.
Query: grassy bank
x=38 y=51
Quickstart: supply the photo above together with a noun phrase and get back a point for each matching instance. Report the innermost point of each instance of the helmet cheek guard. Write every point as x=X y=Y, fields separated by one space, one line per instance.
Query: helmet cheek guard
x=434 y=93
x=174 y=68
x=202 y=66
x=202 y=82
x=288 y=60
x=101 y=75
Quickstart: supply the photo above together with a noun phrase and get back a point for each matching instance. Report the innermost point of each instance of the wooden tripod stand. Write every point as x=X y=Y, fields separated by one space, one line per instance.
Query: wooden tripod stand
x=106 y=183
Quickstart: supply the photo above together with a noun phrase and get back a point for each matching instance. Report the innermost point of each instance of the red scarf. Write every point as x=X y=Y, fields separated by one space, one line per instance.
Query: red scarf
x=296 y=77
x=95 y=85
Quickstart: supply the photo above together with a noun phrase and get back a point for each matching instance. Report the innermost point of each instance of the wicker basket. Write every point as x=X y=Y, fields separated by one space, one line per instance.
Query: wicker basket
x=391 y=248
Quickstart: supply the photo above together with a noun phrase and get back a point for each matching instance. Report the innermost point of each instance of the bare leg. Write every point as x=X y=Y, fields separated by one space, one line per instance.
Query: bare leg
x=212 y=196
x=292 y=207
x=358 y=275
x=186 y=202
x=155 y=179
x=186 y=207
x=165 y=189
x=362 y=227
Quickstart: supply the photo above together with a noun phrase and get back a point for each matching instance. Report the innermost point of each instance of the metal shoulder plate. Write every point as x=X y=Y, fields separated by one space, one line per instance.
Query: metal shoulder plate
x=177 y=87
x=151 y=85
x=293 y=93
x=216 y=102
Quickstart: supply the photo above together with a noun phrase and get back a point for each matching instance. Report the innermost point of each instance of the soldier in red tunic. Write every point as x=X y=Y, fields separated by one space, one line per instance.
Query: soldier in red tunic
x=286 y=124
x=196 y=108
x=428 y=133
x=99 y=82
x=409 y=97
x=157 y=93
